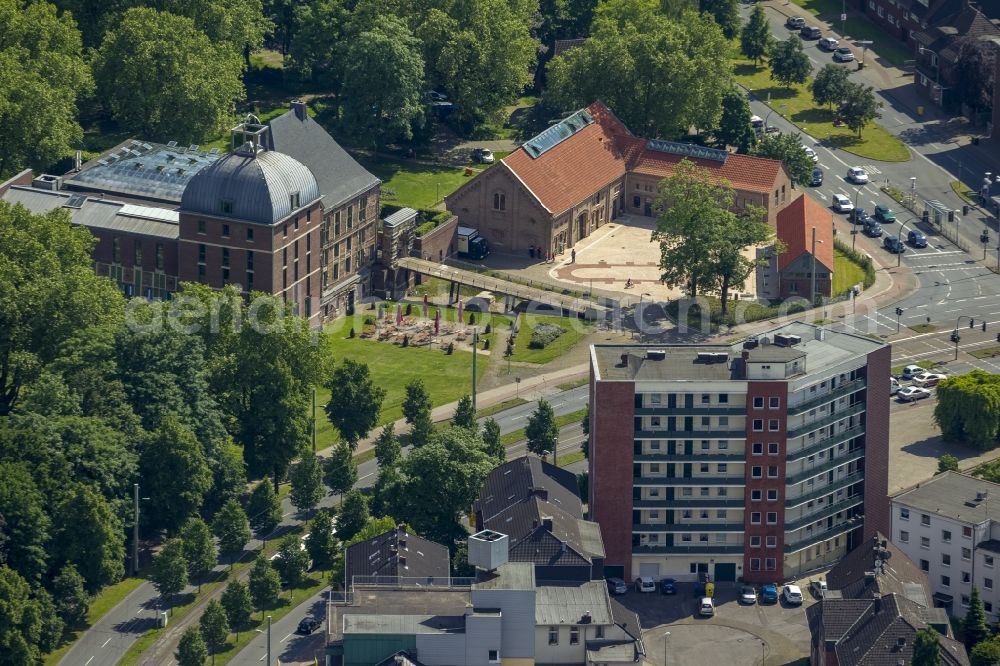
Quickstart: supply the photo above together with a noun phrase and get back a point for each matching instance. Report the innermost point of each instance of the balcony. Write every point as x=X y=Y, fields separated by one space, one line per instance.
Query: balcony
x=821 y=536
x=687 y=527
x=839 y=415
x=688 y=503
x=727 y=549
x=825 y=512
x=694 y=410
x=844 y=389
x=664 y=457
x=850 y=456
x=687 y=481
x=828 y=489
x=825 y=443
x=690 y=434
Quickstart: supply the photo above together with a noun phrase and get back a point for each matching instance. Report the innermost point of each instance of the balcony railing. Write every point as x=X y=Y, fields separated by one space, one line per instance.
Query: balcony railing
x=687 y=503
x=688 y=527
x=688 y=481
x=839 y=415
x=844 y=389
x=837 y=484
x=690 y=434
x=825 y=443
x=664 y=457
x=850 y=456
x=825 y=512
x=821 y=536
x=694 y=410
x=727 y=549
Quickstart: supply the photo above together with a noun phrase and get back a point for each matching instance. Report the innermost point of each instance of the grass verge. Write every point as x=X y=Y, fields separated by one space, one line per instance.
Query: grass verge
x=962 y=191
x=570 y=458
x=925 y=364
x=576 y=383
x=564 y=420
x=506 y=404
x=846 y=273
x=573 y=330
x=989 y=352
x=923 y=328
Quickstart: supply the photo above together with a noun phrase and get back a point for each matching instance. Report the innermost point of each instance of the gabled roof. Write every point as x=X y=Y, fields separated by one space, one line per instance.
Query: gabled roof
x=339 y=175
x=518 y=480
x=626 y=618
x=854 y=576
x=397 y=553
x=795 y=224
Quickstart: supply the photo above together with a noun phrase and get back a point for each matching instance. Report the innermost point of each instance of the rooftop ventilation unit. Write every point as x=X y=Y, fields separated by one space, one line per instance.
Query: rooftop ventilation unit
x=656 y=354
x=47 y=182
x=783 y=340
x=488 y=550
x=713 y=357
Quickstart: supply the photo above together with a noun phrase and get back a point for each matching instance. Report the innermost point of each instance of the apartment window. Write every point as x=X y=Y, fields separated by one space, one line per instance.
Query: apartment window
x=758 y=448
x=137 y=254
x=945 y=559
x=294 y=200
x=225 y=274
x=772 y=471
x=284 y=256
x=904 y=536
x=988 y=583
x=720 y=514
x=925 y=565
x=758 y=403
x=703 y=538
x=225 y=231
x=772 y=448
x=946 y=581
x=756 y=471
x=988 y=607
x=755 y=518
x=686 y=538
x=704 y=445
x=553 y=635
x=225 y=257
x=772 y=542
x=966 y=532
x=706 y=422
x=249 y=235
x=704 y=468
x=494 y=656
x=772 y=425
x=772 y=517
x=774 y=402
x=598 y=631
x=296 y=223
x=770 y=564
x=706 y=398
x=966 y=578
x=686 y=492
x=966 y=553
x=721 y=491
x=755 y=542
x=925 y=519
x=201 y=226
x=946 y=536
x=703 y=492
x=925 y=542
x=755 y=495
x=574 y=635
x=250 y=260
x=499 y=201
x=754 y=564
x=758 y=425
x=723 y=398
x=723 y=467
x=723 y=444
x=201 y=253
x=284 y=231
x=772 y=495
x=904 y=513
x=988 y=560
x=686 y=514
x=654 y=398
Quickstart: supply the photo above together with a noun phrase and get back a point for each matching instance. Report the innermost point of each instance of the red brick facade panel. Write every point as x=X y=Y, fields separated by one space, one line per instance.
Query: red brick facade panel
x=439 y=242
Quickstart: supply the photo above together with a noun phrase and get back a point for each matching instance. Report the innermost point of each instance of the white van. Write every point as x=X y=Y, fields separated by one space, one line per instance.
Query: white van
x=757 y=123
x=842 y=203
x=893 y=386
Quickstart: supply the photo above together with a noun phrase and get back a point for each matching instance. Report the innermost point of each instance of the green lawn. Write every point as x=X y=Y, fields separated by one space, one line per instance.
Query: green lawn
x=574 y=329
x=846 y=273
x=796 y=104
x=411 y=184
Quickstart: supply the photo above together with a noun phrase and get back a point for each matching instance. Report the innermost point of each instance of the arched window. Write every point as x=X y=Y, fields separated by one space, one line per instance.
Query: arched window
x=499 y=201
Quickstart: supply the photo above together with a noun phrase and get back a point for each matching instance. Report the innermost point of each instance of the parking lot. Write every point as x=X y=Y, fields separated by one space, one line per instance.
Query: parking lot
x=737 y=635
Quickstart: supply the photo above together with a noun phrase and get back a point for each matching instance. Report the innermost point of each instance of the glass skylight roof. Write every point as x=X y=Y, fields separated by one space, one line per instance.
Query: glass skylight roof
x=558 y=133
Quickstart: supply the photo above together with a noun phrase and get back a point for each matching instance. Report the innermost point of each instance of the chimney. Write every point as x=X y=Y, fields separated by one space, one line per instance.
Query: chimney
x=401 y=530
x=540 y=493
x=299 y=107
x=547 y=523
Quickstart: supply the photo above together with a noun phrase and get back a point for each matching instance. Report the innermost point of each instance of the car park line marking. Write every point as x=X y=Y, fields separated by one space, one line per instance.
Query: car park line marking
x=107 y=641
x=263 y=657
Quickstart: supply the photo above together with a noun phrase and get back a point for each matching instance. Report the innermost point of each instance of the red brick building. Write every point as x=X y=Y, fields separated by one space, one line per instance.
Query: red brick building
x=584 y=171
x=755 y=461
x=804 y=227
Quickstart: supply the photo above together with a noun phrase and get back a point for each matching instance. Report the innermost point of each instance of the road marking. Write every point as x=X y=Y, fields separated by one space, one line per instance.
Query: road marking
x=88 y=661
x=284 y=639
x=106 y=642
x=262 y=657
x=366 y=476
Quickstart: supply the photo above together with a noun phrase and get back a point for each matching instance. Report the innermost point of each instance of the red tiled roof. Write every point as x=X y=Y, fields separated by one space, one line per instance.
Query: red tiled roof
x=795 y=224
x=744 y=172
x=574 y=169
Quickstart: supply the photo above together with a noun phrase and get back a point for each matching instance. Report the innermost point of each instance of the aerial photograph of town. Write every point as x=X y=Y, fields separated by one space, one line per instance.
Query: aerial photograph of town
x=500 y=332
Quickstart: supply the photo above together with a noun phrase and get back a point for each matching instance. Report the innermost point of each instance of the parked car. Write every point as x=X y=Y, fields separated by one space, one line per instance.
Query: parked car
x=842 y=203
x=645 y=584
x=843 y=54
x=706 y=607
x=482 y=155
x=916 y=238
x=668 y=586
x=817 y=177
x=818 y=588
x=828 y=43
x=893 y=386
x=617 y=586
x=792 y=595
x=857 y=175
x=748 y=595
x=771 y=129
x=810 y=32
x=769 y=593
x=893 y=245
x=858 y=216
x=872 y=228
x=912 y=394
x=911 y=371
x=435 y=96
x=795 y=22
x=307 y=626
x=811 y=153
x=884 y=214
x=928 y=379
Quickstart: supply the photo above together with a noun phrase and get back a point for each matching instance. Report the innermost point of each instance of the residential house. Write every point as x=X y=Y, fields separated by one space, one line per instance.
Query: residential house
x=397 y=555
x=806 y=229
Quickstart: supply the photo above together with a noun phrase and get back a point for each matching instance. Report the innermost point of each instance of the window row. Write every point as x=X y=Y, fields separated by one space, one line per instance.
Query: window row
x=770 y=564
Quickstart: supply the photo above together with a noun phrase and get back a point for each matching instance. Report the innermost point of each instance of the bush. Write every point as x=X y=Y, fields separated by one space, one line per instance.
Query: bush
x=409 y=309
x=406 y=341
x=544 y=335
x=486 y=344
x=351 y=334
x=451 y=349
x=472 y=317
x=488 y=330
x=743 y=312
x=369 y=321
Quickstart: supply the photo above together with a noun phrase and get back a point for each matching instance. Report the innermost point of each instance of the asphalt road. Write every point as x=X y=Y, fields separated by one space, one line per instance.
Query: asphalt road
x=287 y=646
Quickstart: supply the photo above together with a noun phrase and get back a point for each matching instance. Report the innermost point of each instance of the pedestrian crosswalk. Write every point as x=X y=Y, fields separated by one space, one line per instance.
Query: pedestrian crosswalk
x=871 y=168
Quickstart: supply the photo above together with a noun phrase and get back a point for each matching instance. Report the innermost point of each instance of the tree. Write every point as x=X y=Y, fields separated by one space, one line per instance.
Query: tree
x=174 y=474
x=734 y=125
x=214 y=625
x=163 y=78
x=44 y=68
x=321 y=544
x=788 y=149
x=541 y=431
x=756 y=41
x=27 y=524
x=831 y=85
x=292 y=561
x=971 y=74
x=387 y=450
x=169 y=572
x=67 y=307
x=735 y=234
x=493 y=445
x=986 y=653
x=860 y=107
x=240 y=24
x=355 y=401
x=789 y=63
x=237 y=604
x=199 y=550
x=52 y=625
x=229 y=475
x=353 y=514
x=72 y=600
x=726 y=13
x=374 y=527
x=382 y=83
x=660 y=76
x=265 y=585
x=307 y=482
x=264 y=508
x=313 y=50
x=21 y=627
x=968 y=409
x=460 y=566
x=925 y=648
x=340 y=471
x=975 y=628
x=232 y=529
x=191 y=650
x=417 y=411
x=947 y=463
x=465 y=414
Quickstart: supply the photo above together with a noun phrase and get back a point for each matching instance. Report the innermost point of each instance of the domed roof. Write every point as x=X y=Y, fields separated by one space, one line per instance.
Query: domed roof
x=254 y=188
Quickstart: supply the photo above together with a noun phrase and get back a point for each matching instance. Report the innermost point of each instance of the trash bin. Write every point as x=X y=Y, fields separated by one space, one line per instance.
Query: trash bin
x=861 y=65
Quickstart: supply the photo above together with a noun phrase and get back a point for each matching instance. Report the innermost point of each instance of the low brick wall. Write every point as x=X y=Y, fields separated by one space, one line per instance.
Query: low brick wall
x=438 y=243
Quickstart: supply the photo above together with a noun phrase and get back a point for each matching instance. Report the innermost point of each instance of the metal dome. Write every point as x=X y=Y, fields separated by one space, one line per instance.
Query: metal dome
x=252 y=187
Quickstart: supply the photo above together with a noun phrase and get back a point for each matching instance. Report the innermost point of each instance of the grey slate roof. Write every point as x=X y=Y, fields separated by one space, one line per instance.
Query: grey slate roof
x=626 y=618
x=569 y=604
x=953 y=494
x=258 y=187
x=514 y=482
x=383 y=555
x=339 y=175
x=900 y=575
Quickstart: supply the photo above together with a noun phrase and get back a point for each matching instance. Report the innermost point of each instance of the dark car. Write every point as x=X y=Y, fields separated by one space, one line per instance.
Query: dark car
x=873 y=229
x=817 y=177
x=769 y=594
x=858 y=216
x=884 y=214
x=307 y=626
x=916 y=238
x=668 y=586
x=893 y=244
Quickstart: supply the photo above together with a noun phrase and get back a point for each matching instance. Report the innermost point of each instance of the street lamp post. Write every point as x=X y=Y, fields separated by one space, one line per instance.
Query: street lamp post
x=267 y=655
x=812 y=289
x=984 y=238
x=902 y=227
x=937 y=71
x=665 y=637
x=475 y=348
x=899 y=313
x=913 y=191
x=135 y=531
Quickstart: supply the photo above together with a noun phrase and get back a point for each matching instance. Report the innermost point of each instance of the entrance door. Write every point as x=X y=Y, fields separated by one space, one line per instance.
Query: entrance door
x=725 y=572
x=581 y=223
